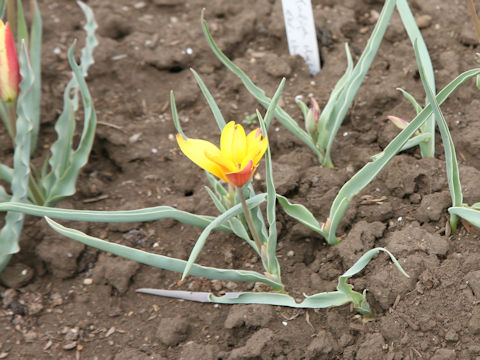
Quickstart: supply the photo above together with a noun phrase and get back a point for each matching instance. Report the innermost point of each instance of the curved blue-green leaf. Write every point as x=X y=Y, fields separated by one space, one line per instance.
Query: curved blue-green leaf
x=10 y=233
x=66 y=162
x=343 y=295
x=411 y=99
x=6 y=173
x=414 y=141
x=160 y=261
x=469 y=214
x=227 y=215
x=427 y=148
x=36 y=33
x=176 y=120
x=346 y=96
x=301 y=214
x=66 y=178
x=258 y=93
x=210 y=100
x=146 y=214
x=453 y=174
x=363 y=177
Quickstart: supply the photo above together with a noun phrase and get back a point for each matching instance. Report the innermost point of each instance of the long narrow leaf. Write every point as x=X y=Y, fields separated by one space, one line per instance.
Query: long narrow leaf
x=176 y=120
x=210 y=100
x=471 y=215
x=65 y=185
x=355 y=80
x=147 y=214
x=301 y=214
x=453 y=174
x=273 y=267
x=10 y=233
x=22 y=31
x=363 y=177
x=36 y=33
x=342 y=296
x=233 y=211
x=427 y=148
x=160 y=261
x=65 y=162
x=411 y=99
x=258 y=93
x=6 y=173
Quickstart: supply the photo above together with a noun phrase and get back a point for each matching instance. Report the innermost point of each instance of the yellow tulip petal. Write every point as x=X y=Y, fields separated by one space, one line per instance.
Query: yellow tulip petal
x=256 y=149
x=262 y=148
x=195 y=150
x=239 y=146
x=226 y=164
x=253 y=138
x=233 y=142
x=226 y=139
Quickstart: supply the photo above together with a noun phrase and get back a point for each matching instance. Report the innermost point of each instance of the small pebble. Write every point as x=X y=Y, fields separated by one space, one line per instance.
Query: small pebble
x=423 y=21
x=134 y=138
x=70 y=346
x=110 y=331
x=139 y=5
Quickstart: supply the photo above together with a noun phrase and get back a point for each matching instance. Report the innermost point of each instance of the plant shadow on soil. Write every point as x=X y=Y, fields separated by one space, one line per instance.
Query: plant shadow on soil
x=76 y=302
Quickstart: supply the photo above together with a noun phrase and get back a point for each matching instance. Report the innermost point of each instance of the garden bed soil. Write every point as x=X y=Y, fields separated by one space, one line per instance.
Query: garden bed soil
x=63 y=300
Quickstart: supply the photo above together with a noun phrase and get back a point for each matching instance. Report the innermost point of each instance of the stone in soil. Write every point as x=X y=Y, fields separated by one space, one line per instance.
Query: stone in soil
x=361 y=238
x=371 y=348
x=323 y=344
x=413 y=238
x=248 y=316
x=444 y=354
x=254 y=346
x=115 y=271
x=473 y=280
x=172 y=331
x=194 y=351
x=60 y=254
x=433 y=206
x=16 y=275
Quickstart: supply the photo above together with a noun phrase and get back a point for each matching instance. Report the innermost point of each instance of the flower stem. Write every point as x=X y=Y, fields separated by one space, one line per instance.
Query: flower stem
x=475 y=17
x=35 y=191
x=12 y=117
x=12 y=16
x=248 y=217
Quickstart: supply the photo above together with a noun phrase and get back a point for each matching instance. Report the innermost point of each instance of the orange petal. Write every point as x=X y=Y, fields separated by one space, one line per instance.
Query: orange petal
x=195 y=150
x=241 y=177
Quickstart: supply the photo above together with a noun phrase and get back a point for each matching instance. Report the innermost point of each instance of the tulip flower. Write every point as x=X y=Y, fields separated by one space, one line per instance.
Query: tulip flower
x=237 y=158
x=312 y=118
x=9 y=69
x=398 y=122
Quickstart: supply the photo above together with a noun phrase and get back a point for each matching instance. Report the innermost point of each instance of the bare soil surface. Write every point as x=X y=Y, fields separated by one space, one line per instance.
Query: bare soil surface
x=62 y=300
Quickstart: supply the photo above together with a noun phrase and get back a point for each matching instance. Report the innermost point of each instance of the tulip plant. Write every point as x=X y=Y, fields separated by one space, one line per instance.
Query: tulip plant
x=20 y=93
x=233 y=164
x=322 y=126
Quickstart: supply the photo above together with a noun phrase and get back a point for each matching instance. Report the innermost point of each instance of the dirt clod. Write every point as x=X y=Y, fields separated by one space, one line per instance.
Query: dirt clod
x=172 y=331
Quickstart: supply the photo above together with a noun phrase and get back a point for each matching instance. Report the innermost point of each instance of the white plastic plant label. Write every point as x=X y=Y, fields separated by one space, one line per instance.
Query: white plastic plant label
x=301 y=35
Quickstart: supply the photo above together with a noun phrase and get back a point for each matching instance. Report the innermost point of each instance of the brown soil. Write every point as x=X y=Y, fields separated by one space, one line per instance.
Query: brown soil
x=54 y=312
